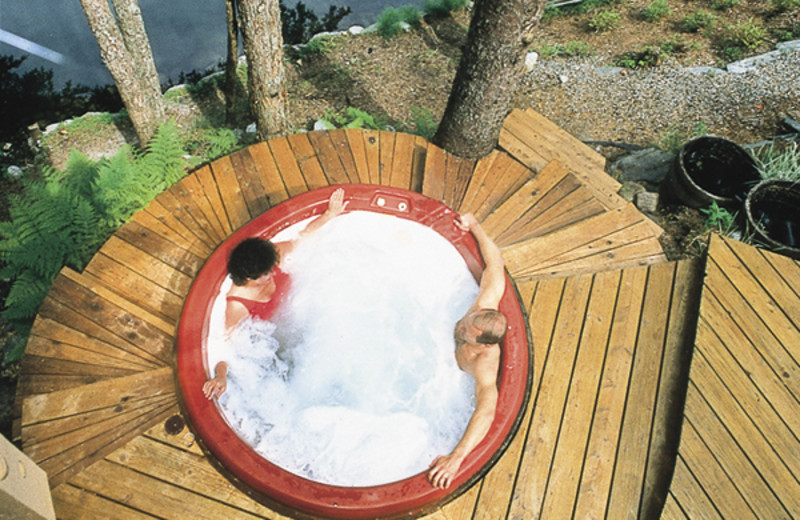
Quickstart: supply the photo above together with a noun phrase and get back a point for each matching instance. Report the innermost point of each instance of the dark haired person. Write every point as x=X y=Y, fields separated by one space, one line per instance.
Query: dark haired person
x=477 y=337
x=259 y=286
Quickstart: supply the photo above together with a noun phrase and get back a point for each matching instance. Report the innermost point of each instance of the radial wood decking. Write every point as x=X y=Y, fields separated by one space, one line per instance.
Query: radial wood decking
x=97 y=381
x=739 y=454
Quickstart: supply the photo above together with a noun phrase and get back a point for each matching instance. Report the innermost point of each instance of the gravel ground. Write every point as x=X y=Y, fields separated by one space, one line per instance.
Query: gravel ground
x=612 y=104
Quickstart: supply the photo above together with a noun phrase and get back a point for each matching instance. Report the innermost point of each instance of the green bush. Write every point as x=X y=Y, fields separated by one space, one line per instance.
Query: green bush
x=655 y=10
x=61 y=218
x=604 y=21
x=352 y=117
x=697 y=21
x=390 y=21
x=647 y=57
x=422 y=123
x=722 y=5
x=570 y=49
x=747 y=35
x=442 y=7
x=785 y=5
x=299 y=24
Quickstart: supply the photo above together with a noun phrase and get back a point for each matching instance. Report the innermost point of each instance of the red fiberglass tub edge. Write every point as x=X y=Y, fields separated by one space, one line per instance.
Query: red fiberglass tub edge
x=301 y=497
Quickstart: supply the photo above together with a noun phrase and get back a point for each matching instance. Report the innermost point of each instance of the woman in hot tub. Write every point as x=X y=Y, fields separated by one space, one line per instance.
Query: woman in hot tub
x=259 y=286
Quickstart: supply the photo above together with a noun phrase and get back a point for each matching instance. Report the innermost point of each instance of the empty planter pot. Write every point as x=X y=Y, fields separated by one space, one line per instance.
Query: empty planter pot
x=711 y=169
x=773 y=212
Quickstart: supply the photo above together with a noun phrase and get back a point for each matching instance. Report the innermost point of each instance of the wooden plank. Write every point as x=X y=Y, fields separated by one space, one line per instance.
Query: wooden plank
x=463 y=506
x=689 y=497
x=181 y=212
x=104 y=394
x=635 y=437
x=435 y=166
x=342 y=146
x=231 y=192
x=356 y=144
x=773 y=450
x=253 y=191
x=601 y=451
x=740 y=307
x=161 y=248
x=537 y=457
x=681 y=327
x=719 y=494
x=386 y=142
x=141 y=262
x=418 y=164
x=147 y=220
x=732 y=458
x=508 y=176
x=151 y=496
x=372 y=146
x=190 y=191
x=672 y=511
x=206 y=179
x=318 y=159
x=287 y=166
x=34 y=365
x=542 y=318
x=402 y=161
x=134 y=288
x=519 y=149
x=156 y=211
x=579 y=407
x=44 y=348
x=479 y=182
x=524 y=199
x=77 y=303
x=47 y=329
x=184 y=470
x=73 y=503
x=716 y=325
x=264 y=163
x=451 y=170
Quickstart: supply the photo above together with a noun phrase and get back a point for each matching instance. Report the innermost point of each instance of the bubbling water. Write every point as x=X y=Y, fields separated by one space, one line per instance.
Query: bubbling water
x=355 y=382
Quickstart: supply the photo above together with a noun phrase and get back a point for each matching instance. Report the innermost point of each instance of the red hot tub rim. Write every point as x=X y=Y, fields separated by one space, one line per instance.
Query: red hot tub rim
x=411 y=496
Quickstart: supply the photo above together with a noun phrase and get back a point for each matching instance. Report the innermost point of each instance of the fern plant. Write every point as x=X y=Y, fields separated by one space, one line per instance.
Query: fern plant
x=62 y=218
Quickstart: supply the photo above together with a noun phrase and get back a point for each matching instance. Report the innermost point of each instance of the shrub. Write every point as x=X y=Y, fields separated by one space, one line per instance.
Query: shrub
x=422 y=123
x=604 y=21
x=442 y=7
x=299 y=24
x=747 y=35
x=569 y=49
x=647 y=57
x=722 y=5
x=390 y=21
x=655 y=10
x=353 y=117
x=697 y=21
x=779 y=162
x=785 y=5
x=62 y=218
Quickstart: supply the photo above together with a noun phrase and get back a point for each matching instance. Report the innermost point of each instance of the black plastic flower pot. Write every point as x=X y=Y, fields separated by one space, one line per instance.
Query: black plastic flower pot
x=710 y=169
x=773 y=212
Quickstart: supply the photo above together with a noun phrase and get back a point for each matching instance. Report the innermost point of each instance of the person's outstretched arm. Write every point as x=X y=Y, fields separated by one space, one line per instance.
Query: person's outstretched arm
x=336 y=206
x=493 y=278
x=443 y=469
x=216 y=386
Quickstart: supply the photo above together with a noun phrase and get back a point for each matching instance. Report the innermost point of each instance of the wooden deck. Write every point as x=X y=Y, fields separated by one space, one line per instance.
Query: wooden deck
x=612 y=326
x=739 y=454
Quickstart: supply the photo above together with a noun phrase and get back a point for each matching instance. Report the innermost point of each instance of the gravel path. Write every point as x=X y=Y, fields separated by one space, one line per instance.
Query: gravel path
x=597 y=103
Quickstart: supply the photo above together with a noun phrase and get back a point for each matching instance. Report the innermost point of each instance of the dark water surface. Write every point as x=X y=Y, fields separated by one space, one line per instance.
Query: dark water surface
x=185 y=35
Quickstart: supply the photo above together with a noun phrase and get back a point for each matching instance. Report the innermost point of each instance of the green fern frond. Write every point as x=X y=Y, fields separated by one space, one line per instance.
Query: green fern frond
x=164 y=157
x=26 y=296
x=81 y=173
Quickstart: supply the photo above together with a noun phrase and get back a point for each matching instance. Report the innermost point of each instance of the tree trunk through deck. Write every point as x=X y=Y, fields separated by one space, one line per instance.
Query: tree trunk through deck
x=487 y=76
x=263 y=44
x=231 y=60
x=125 y=50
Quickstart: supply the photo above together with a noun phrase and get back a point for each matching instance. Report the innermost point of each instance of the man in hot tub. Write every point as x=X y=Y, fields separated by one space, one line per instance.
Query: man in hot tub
x=477 y=336
x=259 y=286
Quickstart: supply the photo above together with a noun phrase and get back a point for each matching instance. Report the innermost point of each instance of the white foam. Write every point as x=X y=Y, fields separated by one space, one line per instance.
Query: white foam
x=356 y=383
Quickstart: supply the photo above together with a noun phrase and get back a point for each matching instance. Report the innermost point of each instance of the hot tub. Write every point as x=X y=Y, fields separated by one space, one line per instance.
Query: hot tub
x=295 y=495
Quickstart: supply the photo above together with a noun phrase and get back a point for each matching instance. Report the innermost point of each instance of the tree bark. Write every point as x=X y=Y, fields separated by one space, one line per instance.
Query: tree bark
x=263 y=45
x=231 y=61
x=487 y=76
x=125 y=50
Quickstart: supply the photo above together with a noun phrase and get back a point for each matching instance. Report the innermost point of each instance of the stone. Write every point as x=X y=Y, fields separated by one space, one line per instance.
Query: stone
x=355 y=29
x=649 y=165
x=319 y=124
x=647 y=201
x=530 y=61
x=251 y=128
x=14 y=171
x=630 y=190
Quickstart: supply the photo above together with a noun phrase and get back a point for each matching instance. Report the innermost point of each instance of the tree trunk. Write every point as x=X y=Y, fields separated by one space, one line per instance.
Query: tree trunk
x=487 y=76
x=231 y=61
x=263 y=44
x=125 y=50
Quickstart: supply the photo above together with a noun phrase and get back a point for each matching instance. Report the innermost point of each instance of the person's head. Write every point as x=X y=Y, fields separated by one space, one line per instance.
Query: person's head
x=251 y=259
x=484 y=326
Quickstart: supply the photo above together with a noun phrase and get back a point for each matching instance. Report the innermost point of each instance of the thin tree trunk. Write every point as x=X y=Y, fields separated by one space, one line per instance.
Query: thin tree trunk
x=133 y=73
x=263 y=44
x=231 y=61
x=487 y=76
